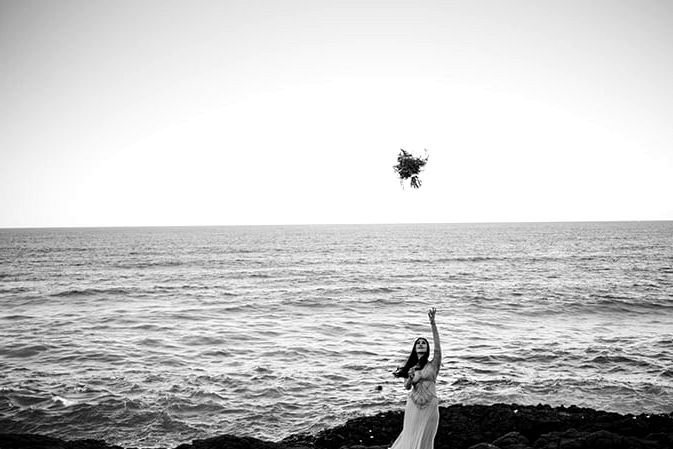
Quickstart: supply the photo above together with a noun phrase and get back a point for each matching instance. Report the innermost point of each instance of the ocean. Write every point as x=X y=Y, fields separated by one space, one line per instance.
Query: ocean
x=157 y=336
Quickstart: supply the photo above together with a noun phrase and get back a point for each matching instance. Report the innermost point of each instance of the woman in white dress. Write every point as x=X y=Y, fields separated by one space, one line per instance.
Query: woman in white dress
x=421 y=416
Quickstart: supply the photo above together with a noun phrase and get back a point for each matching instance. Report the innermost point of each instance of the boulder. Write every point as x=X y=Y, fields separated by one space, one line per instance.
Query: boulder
x=512 y=440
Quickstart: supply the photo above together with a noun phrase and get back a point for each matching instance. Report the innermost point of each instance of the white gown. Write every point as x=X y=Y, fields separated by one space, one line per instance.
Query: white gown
x=421 y=415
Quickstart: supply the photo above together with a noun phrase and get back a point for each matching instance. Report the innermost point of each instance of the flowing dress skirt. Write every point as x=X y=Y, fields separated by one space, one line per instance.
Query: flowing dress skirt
x=420 y=426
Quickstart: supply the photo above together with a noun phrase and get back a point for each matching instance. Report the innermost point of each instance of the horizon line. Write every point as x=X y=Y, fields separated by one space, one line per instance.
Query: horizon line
x=333 y=224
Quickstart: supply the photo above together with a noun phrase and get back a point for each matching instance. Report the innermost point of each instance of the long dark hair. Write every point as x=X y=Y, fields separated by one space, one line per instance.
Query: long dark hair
x=413 y=360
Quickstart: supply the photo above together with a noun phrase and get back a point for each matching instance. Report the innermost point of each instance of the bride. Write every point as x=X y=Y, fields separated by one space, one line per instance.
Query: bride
x=421 y=416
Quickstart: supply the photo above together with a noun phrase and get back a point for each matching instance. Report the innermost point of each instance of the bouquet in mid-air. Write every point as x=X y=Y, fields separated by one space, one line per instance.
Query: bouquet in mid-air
x=409 y=167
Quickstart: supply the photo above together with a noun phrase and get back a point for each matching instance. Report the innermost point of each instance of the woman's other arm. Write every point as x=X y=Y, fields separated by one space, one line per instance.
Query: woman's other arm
x=409 y=381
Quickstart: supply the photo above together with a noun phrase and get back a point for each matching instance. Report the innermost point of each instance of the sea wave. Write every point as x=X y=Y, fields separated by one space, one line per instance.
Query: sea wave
x=90 y=291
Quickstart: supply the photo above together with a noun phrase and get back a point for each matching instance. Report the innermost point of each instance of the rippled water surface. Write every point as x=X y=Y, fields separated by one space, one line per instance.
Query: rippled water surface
x=156 y=336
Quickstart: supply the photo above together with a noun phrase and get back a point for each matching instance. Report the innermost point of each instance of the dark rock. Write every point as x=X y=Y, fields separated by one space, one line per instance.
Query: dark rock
x=30 y=441
x=535 y=421
x=665 y=439
x=231 y=442
x=512 y=440
x=360 y=446
x=568 y=439
x=463 y=426
x=300 y=440
x=484 y=446
x=378 y=430
x=26 y=441
x=604 y=440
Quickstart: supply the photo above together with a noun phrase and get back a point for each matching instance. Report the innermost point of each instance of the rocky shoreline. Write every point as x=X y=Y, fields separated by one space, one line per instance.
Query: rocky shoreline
x=499 y=426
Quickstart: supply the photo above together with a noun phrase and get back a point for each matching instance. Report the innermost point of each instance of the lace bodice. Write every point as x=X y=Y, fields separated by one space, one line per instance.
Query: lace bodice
x=422 y=382
x=424 y=391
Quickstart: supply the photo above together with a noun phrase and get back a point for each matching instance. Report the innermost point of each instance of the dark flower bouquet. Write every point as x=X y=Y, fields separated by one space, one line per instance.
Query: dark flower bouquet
x=409 y=167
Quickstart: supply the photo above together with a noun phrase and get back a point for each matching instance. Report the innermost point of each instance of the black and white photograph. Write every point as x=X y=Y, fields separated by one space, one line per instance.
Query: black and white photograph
x=346 y=224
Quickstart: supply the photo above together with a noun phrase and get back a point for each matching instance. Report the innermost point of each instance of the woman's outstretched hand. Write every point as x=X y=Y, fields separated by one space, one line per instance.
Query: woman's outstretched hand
x=431 y=314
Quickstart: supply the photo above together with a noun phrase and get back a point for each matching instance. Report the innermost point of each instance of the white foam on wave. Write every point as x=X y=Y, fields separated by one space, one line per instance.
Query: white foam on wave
x=63 y=401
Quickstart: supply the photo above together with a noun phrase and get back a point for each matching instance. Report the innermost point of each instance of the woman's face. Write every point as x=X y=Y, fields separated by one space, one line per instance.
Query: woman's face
x=421 y=347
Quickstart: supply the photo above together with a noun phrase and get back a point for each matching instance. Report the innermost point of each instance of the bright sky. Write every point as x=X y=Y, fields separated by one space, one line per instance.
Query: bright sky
x=125 y=113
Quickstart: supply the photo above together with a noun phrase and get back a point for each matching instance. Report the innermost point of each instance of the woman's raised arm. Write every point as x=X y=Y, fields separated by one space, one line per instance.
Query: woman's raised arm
x=437 y=359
